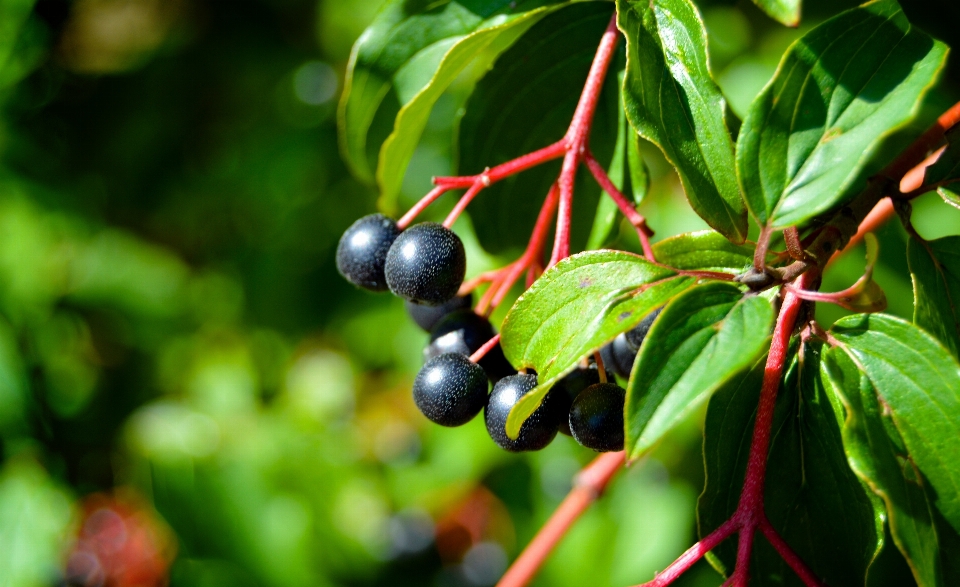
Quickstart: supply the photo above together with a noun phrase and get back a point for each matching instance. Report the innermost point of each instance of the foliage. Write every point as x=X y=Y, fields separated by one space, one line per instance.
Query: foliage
x=173 y=181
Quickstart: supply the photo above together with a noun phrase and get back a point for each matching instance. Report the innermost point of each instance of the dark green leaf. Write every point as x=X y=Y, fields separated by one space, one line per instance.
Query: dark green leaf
x=935 y=268
x=703 y=250
x=839 y=89
x=525 y=103
x=877 y=455
x=575 y=308
x=402 y=64
x=704 y=337
x=946 y=169
x=918 y=381
x=945 y=172
x=672 y=100
x=785 y=11
x=811 y=496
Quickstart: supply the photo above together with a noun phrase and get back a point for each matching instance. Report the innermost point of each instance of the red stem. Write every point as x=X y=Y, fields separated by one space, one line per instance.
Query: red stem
x=589 y=485
x=507 y=169
x=693 y=554
x=578 y=136
x=921 y=148
x=504 y=278
x=421 y=206
x=788 y=555
x=638 y=221
x=483 y=350
x=750 y=515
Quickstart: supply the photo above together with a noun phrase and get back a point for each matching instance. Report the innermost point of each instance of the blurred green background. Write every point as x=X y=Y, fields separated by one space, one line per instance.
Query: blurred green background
x=190 y=394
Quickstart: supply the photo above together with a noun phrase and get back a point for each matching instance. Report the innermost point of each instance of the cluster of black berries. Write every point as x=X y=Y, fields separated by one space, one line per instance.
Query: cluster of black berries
x=425 y=264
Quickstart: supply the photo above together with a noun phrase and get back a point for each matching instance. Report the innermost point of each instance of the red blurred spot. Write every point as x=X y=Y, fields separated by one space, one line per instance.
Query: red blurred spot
x=120 y=543
x=479 y=517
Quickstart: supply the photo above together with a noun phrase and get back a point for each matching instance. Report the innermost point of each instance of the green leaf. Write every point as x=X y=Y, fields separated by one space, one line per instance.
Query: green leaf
x=672 y=100
x=575 y=308
x=811 y=496
x=935 y=269
x=786 y=12
x=950 y=194
x=402 y=64
x=637 y=168
x=35 y=515
x=703 y=250
x=525 y=103
x=839 y=90
x=704 y=337
x=918 y=381
x=876 y=453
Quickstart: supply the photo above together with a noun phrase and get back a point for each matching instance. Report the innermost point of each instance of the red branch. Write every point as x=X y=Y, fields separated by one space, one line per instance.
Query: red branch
x=588 y=486
x=907 y=173
x=578 y=137
x=483 y=350
x=503 y=279
x=749 y=516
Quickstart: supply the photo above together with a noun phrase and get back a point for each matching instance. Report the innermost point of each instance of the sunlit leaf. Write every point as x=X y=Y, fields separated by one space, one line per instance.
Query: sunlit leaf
x=672 y=100
x=918 y=382
x=839 y=89
x=703 y=250
x=575 y=308
x=785 y=11
x=935 y=269
x=704 y=337
x=950 y=194
x=810 y=496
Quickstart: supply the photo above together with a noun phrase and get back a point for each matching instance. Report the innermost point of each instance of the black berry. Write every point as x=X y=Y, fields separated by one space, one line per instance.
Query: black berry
x=427 y=317
x=450 y=390
x=596 y=417
x=464 y=332
x=426 y=264
x=537 y=431
x=568 y=388
x=639 y=332
x=362 y=252
x=618 y=356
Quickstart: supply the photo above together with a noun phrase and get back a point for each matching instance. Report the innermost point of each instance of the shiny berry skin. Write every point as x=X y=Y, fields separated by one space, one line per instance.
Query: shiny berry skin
x=568 y=388
x=465 y=332
x=450 y=390
x=596 y=417
x=362 y=252
x=639 y=332
x=618 y=356
x=538 y=430
x=426 y=264
x=427 y=317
